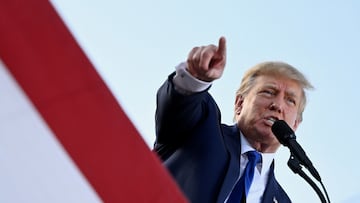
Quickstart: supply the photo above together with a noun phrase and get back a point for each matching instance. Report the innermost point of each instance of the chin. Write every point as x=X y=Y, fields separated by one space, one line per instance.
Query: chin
x=266 y=131
x=266 y=134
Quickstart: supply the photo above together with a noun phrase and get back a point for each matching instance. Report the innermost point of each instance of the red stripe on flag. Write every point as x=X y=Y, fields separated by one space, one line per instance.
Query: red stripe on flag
x=63 y=85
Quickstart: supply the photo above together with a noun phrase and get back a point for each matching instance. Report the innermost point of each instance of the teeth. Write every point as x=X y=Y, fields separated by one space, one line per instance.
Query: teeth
x=272 y=120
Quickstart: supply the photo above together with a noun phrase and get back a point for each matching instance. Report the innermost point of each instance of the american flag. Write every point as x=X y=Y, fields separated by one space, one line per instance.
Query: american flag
x=63 y=135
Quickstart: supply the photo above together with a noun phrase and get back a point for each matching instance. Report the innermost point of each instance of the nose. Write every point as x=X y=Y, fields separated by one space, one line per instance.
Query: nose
x=275 y=107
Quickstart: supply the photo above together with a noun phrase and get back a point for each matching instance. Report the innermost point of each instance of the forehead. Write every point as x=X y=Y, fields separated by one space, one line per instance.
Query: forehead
x=279 y=83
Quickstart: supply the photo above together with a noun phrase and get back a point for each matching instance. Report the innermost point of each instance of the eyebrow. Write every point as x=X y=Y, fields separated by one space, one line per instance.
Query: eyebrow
x=275 y=87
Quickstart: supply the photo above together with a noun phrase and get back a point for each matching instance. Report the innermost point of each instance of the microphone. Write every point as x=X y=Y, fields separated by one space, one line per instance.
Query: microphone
x=286 y=136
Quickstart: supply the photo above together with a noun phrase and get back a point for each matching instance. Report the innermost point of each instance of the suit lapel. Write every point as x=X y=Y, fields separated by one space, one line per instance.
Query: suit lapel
x=232 y=141
x=273 y=192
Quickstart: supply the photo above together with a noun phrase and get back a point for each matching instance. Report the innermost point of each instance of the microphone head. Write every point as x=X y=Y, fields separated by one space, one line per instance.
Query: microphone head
x=283 y=132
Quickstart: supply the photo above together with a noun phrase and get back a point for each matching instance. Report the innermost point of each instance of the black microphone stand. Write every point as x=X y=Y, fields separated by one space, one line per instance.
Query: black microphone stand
x=295 y=165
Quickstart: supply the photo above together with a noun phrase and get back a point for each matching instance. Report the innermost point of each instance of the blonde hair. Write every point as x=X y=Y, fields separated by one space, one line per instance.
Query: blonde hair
x=274 y=68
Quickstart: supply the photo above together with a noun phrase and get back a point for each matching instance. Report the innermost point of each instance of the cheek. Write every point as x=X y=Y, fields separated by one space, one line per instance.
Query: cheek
x=253 y=108
x=253 y=111
x=291 y=117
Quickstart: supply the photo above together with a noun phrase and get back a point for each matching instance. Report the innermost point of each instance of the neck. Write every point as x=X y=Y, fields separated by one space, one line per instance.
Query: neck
x=263 y=147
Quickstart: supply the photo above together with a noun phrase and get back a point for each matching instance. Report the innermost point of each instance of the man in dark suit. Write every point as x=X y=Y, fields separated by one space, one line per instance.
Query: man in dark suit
x=206 y=157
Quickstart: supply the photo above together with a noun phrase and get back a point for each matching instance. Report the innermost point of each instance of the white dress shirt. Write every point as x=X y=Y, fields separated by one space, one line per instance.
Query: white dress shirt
x=261 y=175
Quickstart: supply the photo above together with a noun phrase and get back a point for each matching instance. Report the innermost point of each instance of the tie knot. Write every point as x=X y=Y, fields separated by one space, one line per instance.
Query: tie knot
x=254 y=156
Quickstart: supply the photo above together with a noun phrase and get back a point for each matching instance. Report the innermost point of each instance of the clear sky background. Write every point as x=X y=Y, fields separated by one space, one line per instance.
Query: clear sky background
x=135 y=44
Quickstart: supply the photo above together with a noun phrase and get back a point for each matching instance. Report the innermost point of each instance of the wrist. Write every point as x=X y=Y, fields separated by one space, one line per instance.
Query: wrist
x=188 y=82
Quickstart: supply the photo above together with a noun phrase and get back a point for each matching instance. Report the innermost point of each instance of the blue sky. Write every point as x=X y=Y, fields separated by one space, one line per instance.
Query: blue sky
x=135 y=44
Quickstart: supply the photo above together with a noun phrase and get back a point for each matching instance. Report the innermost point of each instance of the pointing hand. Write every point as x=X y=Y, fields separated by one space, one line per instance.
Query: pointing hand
x=207 y=63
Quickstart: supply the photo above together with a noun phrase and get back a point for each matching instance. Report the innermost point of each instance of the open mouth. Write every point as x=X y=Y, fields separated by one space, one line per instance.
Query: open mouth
x=271 y=120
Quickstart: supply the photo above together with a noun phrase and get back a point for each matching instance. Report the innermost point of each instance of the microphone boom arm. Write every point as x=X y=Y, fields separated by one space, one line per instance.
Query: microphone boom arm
x=295 y=166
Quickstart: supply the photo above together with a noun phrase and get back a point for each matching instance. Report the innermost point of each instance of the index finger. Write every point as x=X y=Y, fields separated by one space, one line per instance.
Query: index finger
x=221 y=51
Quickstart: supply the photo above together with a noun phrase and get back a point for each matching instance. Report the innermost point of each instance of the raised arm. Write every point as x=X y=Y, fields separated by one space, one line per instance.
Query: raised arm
x=177 y=113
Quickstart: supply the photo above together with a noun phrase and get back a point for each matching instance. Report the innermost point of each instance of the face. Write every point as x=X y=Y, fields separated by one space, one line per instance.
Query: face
x=270 y=98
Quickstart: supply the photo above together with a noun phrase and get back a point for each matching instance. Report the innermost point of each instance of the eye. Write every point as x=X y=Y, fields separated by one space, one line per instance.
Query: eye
x=291 y=100
x=268 y=92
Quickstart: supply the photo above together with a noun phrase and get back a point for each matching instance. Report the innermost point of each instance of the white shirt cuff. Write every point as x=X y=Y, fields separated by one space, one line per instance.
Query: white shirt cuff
x=186 y=83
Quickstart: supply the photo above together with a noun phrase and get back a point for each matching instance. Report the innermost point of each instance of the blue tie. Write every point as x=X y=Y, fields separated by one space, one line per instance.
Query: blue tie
x=241 y=188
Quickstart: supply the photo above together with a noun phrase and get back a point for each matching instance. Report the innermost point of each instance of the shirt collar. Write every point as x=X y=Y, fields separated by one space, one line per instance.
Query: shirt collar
x=267 y=158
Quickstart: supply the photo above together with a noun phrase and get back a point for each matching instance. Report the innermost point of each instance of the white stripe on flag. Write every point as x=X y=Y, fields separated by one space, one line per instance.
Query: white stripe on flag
x=33 y=166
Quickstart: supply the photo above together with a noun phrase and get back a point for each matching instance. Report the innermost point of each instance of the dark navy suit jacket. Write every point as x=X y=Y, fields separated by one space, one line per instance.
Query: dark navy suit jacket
x=201 y=154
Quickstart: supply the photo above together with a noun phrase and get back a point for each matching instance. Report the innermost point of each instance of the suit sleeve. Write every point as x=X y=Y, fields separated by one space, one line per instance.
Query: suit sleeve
x=177 y=115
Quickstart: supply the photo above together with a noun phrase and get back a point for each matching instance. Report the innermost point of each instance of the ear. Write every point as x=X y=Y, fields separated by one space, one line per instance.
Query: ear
x=238 y=104
x=296 y=124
